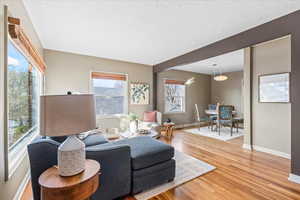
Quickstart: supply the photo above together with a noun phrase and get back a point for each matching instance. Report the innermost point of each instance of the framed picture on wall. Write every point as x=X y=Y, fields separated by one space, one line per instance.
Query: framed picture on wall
x=274 y=88
x=139 y=93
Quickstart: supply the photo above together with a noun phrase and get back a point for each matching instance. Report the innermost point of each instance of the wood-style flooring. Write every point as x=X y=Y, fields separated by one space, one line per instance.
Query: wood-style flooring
x=240 y=174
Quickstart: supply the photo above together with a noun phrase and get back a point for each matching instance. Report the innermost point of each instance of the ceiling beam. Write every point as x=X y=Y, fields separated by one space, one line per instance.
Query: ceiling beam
x=271 y=30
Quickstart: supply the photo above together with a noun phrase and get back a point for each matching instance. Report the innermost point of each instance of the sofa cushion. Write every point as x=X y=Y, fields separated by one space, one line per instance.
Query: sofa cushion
x=94 y=139
x=146 y=151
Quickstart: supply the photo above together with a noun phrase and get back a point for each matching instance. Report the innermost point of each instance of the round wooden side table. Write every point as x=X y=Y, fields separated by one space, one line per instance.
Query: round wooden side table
x=168 y=128
x=77 y=187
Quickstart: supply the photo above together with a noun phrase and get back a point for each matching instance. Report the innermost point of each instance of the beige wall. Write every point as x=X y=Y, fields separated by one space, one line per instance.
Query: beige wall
x=229 y=92
x=16 y=9
x=247 y=96
x=271 y=121
x=197 y=93
x=71 y=72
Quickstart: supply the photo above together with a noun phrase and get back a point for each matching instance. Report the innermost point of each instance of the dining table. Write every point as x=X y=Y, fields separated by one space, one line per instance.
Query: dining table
x=215 y=112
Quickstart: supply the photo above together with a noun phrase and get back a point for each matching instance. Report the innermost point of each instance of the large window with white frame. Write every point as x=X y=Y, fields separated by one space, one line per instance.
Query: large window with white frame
x=23 y=91
x=110 y=92
x=174 y=96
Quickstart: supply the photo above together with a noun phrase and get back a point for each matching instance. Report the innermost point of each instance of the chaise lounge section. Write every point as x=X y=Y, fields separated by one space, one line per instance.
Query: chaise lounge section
x=151 y=162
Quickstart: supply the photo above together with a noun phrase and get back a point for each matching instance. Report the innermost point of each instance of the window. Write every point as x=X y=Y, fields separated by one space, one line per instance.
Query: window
x=23 y=90
x=110 y=92
x=174 y=96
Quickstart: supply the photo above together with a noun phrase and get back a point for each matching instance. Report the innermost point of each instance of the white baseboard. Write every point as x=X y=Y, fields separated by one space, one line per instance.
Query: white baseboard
x=186 y=125
x=266 y=150
x=22 y=186
x=247 y=146
x=271 y=151
x=294 y=178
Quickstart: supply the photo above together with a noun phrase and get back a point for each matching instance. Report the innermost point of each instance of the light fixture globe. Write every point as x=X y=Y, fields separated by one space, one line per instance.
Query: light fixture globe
x=190 y=81
x=220 y=78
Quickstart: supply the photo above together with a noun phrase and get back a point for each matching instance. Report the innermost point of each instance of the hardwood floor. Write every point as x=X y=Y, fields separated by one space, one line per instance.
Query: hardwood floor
x=240 y=174
x=27 y=194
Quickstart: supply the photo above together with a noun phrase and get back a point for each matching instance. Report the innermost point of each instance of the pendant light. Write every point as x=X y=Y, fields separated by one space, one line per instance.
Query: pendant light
x=190 y=81
x=219 y=76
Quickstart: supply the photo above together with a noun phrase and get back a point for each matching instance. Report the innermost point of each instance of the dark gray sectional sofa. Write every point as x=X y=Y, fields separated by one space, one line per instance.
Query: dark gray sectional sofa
x=128 y=166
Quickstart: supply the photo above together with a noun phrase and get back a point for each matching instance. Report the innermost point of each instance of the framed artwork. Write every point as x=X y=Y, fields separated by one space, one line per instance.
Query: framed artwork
x=274 y=88
x=139 y=93
x=175 y=98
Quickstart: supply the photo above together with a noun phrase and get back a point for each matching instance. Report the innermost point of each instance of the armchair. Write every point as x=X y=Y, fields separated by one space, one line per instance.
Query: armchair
x=152 y=120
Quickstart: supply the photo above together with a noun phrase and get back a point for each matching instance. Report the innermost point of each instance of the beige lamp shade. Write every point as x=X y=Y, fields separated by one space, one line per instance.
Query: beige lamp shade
x=63 y=115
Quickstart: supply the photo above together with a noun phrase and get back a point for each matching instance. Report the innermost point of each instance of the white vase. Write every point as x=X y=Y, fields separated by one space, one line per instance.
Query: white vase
x=71 y=156
x=133 y=126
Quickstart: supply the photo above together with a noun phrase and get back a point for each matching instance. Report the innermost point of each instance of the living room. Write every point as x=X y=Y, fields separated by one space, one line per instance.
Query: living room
x=148 y=81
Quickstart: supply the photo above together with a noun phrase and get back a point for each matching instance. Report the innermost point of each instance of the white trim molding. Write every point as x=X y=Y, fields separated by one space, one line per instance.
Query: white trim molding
x=22 y=186
x=247 y=146
x=178 y=126
x=266 y=150
x=294 y=178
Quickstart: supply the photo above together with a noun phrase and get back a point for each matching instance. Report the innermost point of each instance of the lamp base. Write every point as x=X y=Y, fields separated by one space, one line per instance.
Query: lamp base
x=71 y=156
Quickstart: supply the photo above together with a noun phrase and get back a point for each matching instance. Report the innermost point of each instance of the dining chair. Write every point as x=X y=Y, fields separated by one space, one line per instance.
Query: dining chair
x=237 y=121
x=225 y=117
x=201 y=119
x=212 y=106
x=212 y=118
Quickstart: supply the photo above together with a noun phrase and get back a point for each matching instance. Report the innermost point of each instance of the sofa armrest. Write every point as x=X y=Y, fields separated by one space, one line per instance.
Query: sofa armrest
x=115 y=162
x=42 y=155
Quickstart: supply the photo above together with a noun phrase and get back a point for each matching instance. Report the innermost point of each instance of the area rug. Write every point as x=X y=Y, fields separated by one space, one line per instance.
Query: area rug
x=187 y=168
x=224 y=133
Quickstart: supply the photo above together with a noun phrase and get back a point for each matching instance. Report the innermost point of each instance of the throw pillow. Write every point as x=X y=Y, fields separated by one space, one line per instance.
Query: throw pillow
x=150 y=116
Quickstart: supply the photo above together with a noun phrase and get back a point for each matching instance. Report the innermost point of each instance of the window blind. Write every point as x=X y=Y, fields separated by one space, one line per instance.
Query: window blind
x=174 y=82
x=22 y=41
x=110 y=76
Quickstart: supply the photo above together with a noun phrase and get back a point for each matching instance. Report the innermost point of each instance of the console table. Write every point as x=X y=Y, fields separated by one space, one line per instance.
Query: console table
x=77 y=187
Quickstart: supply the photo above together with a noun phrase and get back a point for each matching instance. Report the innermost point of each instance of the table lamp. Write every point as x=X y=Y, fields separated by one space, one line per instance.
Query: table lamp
x=68 y=115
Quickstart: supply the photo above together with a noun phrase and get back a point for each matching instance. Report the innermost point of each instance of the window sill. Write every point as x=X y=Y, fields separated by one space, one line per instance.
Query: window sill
x=20 y=154
x=111 y=116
